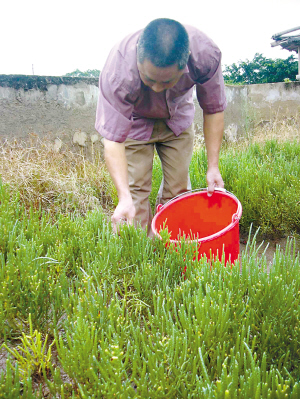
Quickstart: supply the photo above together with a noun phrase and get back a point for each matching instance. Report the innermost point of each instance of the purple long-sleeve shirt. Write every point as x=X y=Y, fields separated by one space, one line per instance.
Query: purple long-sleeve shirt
x=128 y=108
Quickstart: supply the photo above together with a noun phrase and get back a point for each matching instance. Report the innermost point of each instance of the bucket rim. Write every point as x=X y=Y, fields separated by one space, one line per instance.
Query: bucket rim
x=235 y=217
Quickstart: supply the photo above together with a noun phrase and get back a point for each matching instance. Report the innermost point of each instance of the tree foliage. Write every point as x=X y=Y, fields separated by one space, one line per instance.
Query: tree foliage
x=261 y=70
x=90 y=73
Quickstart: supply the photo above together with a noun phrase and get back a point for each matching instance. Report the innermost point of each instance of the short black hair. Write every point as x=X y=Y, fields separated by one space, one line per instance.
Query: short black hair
x=164 y=42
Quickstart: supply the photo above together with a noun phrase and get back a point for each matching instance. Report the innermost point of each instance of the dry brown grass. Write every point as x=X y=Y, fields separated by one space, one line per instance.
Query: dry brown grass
x=281 y=130
x=57 y=182
x=287 y=129
x=63 y=182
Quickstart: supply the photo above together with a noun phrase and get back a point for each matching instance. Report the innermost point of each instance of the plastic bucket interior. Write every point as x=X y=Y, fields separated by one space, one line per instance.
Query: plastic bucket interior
x=212 y=221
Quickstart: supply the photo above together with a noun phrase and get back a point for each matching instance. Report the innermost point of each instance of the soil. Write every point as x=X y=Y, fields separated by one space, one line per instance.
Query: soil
x=268 y=247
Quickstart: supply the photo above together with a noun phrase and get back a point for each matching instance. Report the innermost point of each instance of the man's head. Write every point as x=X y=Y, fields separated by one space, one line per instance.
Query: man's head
x=162 y=53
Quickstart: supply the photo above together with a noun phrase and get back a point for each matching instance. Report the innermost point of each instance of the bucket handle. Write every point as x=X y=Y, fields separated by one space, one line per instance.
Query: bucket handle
x=160 y=206
x=235 y=217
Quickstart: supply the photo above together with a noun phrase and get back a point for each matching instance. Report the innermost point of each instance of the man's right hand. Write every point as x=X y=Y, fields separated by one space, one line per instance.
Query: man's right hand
x=117 y=166
x=124 y=213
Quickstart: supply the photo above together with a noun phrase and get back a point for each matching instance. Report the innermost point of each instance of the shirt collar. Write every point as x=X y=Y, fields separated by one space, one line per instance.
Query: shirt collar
x=186 y=69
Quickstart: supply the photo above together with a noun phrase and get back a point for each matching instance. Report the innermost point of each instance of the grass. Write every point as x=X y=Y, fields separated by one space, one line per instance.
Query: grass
x=89 y=314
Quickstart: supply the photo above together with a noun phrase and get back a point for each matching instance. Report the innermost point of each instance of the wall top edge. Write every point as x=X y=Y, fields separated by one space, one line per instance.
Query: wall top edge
x=29 y=82
x=293 y=83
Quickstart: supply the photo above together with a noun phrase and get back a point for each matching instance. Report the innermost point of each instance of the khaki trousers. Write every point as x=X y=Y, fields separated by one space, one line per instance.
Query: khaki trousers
x=175 y=153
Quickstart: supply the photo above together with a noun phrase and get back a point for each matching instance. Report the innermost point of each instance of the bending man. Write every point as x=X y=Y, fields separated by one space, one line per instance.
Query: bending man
x=146 y=102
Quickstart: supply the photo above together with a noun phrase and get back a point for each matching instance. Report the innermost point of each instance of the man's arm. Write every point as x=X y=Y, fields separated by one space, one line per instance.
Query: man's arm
x=117 y=166
x=213 y=127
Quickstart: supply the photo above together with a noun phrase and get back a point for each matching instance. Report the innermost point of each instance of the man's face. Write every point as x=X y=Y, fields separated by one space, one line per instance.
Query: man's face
x=159 y=79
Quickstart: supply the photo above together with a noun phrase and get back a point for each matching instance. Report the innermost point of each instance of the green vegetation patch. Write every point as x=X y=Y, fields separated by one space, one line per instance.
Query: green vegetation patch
x=89 y=314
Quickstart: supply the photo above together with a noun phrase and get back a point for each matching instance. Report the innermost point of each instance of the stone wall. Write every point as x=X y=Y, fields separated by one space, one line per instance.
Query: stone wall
x=62 y=109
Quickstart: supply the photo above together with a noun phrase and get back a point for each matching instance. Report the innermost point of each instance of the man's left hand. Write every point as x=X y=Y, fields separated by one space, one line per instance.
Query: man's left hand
x=214 y=179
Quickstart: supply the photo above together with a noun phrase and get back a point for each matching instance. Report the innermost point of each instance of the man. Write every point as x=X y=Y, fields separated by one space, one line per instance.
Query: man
x=146 y=101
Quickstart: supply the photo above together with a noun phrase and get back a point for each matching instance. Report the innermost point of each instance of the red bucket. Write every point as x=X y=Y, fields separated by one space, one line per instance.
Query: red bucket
x=213 y=222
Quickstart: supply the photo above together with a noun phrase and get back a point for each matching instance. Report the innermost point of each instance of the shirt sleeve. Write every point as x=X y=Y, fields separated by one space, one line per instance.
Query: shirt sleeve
x=206 y=66
x=211 y=93
x=114 y=110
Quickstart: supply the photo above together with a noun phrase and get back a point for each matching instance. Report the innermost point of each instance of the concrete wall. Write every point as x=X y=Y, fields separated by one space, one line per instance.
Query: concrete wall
x=251 y=105
x=56 y=108
x=63 y=109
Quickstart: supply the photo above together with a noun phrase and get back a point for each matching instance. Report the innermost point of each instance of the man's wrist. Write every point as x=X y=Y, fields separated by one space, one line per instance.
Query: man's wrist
x=213 y=165
x=125 y=196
